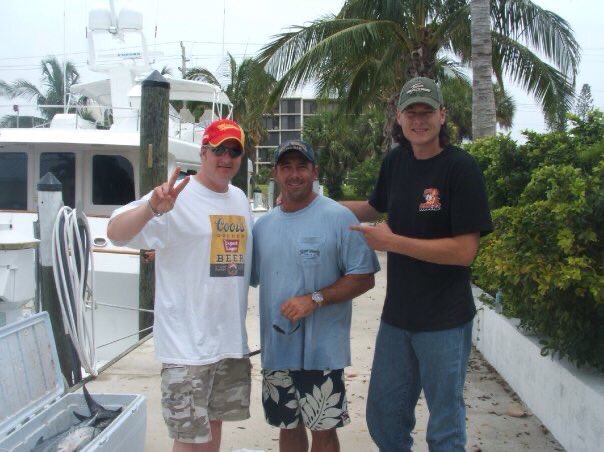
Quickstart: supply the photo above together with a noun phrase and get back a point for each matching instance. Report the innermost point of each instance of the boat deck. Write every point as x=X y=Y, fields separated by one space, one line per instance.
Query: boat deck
x=497 y=418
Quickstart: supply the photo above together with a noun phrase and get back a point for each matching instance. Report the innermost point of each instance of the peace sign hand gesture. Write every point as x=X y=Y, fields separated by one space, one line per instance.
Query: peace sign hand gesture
x=164 y=195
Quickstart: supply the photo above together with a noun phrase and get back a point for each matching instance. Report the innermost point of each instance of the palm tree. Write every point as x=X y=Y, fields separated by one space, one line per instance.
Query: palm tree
x=372 y=47
x=483 y=96
x=342 y=142
x=248 y=89
x=54 y=84
x=459 y=97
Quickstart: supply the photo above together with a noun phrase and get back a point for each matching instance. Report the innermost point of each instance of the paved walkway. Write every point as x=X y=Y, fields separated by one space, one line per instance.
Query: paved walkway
x=497 y=419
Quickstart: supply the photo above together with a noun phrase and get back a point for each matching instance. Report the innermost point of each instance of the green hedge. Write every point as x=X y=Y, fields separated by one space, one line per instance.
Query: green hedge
x=546 y=254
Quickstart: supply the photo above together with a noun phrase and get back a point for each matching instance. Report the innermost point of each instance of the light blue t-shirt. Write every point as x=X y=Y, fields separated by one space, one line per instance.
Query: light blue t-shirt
x=295 y=254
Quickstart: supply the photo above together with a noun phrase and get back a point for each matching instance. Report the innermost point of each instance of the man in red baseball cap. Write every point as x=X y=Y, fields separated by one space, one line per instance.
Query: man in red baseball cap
x=201 y=231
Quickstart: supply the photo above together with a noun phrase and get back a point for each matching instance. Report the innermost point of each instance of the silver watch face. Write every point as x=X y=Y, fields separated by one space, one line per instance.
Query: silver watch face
x=317 y=297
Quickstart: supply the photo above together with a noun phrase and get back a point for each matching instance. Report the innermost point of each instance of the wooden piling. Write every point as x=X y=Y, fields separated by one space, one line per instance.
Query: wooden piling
x=153 y=171
x=50 y=201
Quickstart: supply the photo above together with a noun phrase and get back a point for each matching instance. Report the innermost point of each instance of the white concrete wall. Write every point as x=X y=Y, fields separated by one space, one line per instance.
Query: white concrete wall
x=569 y=401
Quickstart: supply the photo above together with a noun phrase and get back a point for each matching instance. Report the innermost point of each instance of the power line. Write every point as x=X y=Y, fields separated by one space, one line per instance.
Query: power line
x=129 y=47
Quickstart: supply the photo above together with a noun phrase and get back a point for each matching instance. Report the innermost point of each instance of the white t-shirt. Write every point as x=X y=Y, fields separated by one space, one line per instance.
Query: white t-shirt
x=202 y=269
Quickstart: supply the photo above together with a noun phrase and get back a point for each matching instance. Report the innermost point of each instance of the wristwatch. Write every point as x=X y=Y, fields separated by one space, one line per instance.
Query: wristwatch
x=317 y=297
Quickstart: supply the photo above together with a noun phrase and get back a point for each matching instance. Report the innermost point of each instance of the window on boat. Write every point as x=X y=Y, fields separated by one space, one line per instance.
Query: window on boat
x=183 y=174
x=112 y=180
x=13 y=180
x=62 y=166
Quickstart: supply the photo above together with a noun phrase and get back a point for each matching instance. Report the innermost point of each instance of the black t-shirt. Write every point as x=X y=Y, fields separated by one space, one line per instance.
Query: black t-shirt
x=443 y=196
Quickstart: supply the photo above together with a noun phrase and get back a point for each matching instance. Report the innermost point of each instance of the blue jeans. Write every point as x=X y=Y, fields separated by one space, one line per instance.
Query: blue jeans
x=405 y=362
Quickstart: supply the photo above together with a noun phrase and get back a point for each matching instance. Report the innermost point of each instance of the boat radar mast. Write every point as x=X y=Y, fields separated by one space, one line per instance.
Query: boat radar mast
x=124 y=29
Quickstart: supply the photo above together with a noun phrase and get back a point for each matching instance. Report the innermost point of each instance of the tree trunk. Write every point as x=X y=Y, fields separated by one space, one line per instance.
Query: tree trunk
x=483 y=98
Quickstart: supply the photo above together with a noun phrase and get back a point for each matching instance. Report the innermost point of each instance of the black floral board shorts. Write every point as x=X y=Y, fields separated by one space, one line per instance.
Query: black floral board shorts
x=315 y=397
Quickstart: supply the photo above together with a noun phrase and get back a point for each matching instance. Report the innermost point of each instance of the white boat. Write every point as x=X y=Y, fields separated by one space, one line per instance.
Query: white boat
x=99 y=166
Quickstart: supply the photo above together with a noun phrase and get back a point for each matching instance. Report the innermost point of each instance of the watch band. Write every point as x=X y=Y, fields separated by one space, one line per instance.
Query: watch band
x=318 y=298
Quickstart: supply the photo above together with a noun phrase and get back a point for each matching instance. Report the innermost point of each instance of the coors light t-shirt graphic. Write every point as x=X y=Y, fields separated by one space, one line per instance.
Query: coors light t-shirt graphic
x=229 y=239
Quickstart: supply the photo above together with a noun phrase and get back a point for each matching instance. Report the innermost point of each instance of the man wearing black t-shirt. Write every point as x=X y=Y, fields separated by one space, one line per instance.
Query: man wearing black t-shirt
x=437 y=210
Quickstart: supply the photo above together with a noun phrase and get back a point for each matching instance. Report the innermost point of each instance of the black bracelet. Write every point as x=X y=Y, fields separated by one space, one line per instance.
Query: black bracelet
x=155 y=212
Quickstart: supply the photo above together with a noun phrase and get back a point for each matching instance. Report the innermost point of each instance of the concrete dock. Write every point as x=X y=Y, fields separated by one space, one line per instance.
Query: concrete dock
x=497 y=420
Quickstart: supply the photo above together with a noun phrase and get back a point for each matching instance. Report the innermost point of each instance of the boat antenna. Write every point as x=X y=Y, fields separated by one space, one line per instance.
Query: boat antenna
x=64 y=60
x=155 y=30
x=223 y=69
x=223 y=24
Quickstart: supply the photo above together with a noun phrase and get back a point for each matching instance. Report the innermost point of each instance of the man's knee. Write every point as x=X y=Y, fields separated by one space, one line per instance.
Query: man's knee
x=325 y=439
x=295 y=433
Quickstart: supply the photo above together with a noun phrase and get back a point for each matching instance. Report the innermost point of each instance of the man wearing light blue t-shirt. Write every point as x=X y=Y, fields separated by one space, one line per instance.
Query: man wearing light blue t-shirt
x=309 y=266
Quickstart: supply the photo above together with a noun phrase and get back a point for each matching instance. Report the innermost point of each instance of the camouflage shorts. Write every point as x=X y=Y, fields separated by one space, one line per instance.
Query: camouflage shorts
x=192 y=396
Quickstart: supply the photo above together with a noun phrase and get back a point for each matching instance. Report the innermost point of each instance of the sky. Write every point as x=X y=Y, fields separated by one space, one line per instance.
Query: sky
x=30 y=30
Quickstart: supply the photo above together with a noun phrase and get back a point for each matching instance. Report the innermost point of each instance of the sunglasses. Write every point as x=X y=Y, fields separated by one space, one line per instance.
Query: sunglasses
x=221 y=149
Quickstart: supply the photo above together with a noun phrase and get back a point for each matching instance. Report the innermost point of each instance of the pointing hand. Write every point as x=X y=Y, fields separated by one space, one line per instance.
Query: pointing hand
x=377 y=236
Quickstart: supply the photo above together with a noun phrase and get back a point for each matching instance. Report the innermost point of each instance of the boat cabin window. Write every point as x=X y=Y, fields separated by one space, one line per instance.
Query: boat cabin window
x=112 y=180
x=13 y=180
x=183 y=174
x=62 y=166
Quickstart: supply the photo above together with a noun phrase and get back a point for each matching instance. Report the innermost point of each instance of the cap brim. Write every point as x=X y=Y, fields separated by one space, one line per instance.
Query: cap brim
x=419 y=100
x=293 y=149
x=222 y=140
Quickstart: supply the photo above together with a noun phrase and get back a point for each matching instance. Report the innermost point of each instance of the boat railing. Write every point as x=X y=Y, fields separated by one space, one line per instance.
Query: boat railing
x=85 y=116
x=93 y=117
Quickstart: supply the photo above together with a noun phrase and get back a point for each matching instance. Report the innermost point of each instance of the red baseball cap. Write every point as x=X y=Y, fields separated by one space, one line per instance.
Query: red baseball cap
x=221 y=130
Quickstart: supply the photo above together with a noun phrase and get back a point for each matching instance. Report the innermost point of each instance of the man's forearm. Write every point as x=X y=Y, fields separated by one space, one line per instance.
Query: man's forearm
x=345 y=288
x=362 y=210
x=127 y=224
x=348 y=287
x=459 y=250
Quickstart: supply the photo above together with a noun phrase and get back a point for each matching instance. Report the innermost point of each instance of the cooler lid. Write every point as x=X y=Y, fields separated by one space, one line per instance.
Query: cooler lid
x=29 y=370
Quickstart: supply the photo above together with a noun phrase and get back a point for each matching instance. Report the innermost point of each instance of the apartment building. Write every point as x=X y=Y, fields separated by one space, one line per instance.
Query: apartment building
x=285 y=123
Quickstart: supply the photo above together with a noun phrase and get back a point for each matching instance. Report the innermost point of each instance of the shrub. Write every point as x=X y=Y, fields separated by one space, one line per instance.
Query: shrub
x=363 y=176
x=505 y=167
x=546 y=252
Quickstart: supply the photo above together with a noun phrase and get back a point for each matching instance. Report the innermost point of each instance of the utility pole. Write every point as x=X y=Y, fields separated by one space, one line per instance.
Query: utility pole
x=184 y=59
x=153 y=171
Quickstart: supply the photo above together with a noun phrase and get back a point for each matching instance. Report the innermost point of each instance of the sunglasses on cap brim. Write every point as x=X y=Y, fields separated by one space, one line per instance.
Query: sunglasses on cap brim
x=221 y=149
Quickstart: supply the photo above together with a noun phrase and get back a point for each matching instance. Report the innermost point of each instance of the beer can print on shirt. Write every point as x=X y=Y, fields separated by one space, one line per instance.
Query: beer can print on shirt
x=229 y=239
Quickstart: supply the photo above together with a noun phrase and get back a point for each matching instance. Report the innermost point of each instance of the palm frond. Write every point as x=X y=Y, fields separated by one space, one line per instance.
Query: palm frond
x=324 y=47
x=166 y=70
x=201 y=74
x=551 y=88
x=24 y=88
x=5 y=89
x=506 y=107
x=541 y=29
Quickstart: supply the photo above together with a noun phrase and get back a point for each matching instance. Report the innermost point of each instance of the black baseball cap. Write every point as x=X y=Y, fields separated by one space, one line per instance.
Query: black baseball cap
x=295 y=145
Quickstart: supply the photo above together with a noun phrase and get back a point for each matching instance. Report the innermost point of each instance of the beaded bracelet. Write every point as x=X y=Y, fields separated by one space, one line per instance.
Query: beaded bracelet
x=155 y=212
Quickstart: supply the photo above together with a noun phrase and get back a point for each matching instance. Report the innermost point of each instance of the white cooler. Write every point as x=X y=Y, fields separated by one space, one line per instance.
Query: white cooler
x=32 y=404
